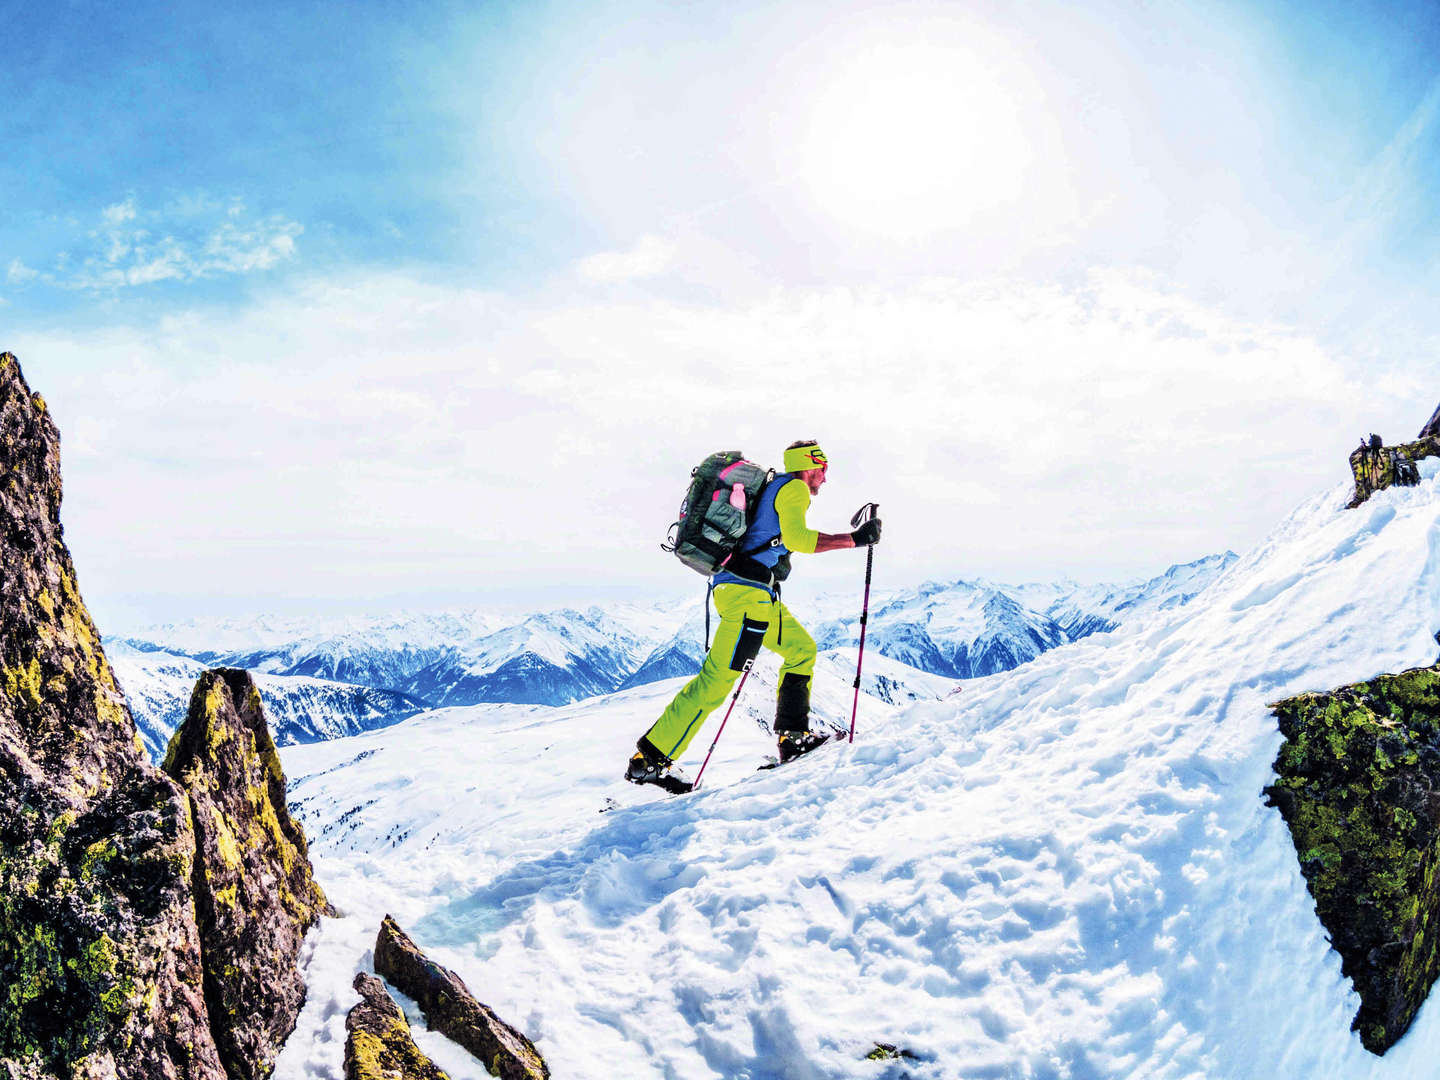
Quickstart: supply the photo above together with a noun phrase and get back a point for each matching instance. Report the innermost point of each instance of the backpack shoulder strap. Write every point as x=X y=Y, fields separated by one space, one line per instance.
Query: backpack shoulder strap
x=773 y=541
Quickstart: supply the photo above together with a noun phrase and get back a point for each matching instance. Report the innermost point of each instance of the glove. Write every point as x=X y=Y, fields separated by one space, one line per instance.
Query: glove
x=866 y=534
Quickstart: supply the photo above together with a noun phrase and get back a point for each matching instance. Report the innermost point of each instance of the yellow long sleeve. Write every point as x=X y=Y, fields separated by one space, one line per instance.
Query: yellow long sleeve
x=791 y=503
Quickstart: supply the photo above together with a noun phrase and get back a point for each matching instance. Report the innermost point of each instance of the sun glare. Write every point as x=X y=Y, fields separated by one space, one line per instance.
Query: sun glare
x=912 y=139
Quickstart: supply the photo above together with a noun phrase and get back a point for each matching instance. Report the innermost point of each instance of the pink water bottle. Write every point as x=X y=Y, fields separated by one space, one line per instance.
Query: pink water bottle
x=737 y=496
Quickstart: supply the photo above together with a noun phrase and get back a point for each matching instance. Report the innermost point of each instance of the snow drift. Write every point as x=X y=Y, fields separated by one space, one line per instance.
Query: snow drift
x=1066 y=871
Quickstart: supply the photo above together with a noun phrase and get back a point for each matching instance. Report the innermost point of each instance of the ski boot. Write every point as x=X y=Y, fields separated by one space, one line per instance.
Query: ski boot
x=794 y=744
x=649 y=766
x=792 y=718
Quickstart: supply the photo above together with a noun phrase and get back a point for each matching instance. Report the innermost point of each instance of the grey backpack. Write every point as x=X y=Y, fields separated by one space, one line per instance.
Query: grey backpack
x=719 y=508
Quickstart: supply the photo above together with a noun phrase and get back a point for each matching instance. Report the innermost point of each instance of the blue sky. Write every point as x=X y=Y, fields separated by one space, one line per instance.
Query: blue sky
x=328 y=298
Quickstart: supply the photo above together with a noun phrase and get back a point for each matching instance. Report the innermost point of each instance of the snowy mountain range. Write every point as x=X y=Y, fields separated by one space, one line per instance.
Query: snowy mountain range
x=1067 y=870
x=300 y=709
x=339 y=676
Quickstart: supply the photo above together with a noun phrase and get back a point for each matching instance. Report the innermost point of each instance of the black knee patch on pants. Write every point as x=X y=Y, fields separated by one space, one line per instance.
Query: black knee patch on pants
x=752 y=633
x=792 y=704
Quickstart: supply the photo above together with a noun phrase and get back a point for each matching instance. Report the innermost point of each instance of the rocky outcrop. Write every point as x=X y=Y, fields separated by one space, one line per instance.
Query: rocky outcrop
x=147 y=931
x=452 y=1010
x=1377 y=466
x=255 y=896
x=1431 y=430
x=100 y=962
x=378 y=1045
x=1358 y=782
x=890 y=1052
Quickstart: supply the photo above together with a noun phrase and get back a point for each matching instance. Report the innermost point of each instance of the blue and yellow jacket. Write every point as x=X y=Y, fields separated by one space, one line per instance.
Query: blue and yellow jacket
x=778 y=529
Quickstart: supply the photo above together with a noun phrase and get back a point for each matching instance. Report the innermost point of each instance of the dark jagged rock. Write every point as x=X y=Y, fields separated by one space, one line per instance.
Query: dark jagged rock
x=1358 y=782
x=889 y=1052
x=144 y=934
x=1376 y=466
x=452 y=1010
x=255 y=896
x=100 y=964
x=1431 y=430
x=379 y=1046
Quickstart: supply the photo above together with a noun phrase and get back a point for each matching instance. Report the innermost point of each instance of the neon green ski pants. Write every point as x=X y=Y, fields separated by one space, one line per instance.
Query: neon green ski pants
x=749 y=618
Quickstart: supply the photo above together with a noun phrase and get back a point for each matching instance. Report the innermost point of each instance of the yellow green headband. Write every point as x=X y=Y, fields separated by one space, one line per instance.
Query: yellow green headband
x=803 y=458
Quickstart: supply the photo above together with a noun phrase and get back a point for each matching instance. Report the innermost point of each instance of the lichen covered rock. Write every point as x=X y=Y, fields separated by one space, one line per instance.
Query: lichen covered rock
x=889 y=1052
x=1376 y=466
x=100 y=966
x=1358 y=782
x=255 y=895
x=452 y=1010
x=378 y=1045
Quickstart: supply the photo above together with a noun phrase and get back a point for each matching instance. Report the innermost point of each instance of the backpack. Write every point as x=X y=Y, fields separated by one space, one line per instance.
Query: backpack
x=719 y=508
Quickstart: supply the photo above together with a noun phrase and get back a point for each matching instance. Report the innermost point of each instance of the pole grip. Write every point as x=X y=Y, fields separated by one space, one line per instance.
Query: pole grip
x=864 y=514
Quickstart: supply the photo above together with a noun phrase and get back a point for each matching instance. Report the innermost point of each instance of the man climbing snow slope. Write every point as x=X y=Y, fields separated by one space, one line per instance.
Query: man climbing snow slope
x=747 y=598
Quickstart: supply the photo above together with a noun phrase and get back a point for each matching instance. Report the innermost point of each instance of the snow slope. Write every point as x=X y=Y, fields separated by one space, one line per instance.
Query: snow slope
x=1066 y=871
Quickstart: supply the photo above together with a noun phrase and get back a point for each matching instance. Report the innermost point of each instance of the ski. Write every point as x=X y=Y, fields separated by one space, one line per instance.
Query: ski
x=612 y=803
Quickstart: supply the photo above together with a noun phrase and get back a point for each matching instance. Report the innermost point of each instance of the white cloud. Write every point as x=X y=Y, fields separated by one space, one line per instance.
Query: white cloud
x=163 y=261
x=202 y=239
x=384 y=437
x=19 y=273
x=119 y=213
x=235 y=250
x=650 y=256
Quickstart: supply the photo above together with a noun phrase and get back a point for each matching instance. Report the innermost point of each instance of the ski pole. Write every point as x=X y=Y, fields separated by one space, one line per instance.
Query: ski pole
x=745 y=674
x=864 y=514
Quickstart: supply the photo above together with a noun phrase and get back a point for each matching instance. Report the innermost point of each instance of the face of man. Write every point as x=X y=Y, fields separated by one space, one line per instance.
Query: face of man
x=814 y=478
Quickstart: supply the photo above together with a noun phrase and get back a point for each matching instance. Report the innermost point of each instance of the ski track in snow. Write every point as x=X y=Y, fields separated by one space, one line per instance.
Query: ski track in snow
x=1067 y=871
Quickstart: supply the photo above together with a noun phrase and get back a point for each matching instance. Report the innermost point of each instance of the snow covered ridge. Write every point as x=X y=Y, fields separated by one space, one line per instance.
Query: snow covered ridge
x=1066 y=871
x=332 y=676
x=967 y=629
x=444 y=659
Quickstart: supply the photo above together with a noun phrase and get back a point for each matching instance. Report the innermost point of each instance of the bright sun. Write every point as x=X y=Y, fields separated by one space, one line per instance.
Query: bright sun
x=912 y=139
